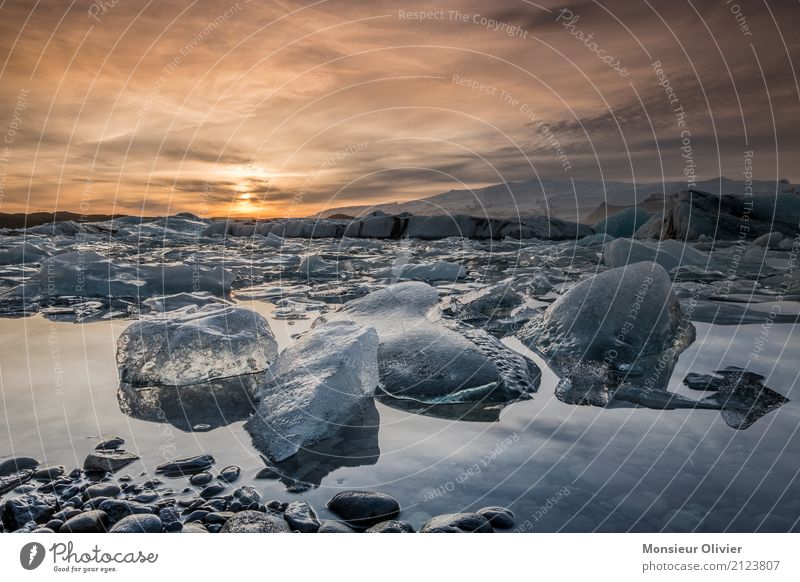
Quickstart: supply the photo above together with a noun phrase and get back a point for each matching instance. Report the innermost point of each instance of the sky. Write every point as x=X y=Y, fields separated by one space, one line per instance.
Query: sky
x=285 y=108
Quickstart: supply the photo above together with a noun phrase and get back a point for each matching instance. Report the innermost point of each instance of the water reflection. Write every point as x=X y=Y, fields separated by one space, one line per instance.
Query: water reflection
x=355 y=444
x=197 y=407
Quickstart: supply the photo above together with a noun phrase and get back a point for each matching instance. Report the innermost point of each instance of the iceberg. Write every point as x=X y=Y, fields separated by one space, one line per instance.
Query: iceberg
x=193 y=345
x=428 y=359
x=90 y=274
x=314 y=387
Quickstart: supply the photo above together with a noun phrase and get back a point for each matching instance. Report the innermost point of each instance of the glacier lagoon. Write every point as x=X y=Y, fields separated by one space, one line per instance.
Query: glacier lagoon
x=557 y=465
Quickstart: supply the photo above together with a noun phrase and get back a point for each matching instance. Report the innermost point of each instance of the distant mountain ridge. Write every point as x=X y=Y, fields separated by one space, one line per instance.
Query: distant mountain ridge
x=581 y=201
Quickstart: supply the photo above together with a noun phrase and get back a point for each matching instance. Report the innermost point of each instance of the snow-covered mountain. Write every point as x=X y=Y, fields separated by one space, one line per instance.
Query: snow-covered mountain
x=576 y=200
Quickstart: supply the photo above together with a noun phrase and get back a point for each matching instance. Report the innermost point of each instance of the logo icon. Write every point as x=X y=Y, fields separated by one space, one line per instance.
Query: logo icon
x=31 y=555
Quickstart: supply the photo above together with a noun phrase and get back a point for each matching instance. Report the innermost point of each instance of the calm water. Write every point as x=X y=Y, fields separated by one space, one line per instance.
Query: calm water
x=557 y=466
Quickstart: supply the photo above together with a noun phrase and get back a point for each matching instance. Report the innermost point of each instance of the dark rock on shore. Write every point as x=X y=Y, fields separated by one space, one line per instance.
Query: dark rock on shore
x=392 y=526
x=93 y=521
x=187 y=466
x=108 y=461
x=301 y=517
x=36 y=507
x=256 y=522
x=458 y=523
x=201 y=479
x=141 y=523
x=109 y=443
x=331 y=526
x=212 y=490
x=14 y=480
x=102 y=490
x=499 y=517
x=118 y=509
x=230 y=473
x=17 y=464
x=364 y=508
x=45 y=474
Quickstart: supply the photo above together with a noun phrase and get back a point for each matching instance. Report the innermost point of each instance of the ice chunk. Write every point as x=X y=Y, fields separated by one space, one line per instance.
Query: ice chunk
x=314 y=387
x=315 y=267
x=423 y=358
x=194 y=345
x=623 y=223
x=23 y=253
x=273 y=240
x=180 y=300
x=89 y=274
x=616 y=316
x=669 y=254
x=438 y=271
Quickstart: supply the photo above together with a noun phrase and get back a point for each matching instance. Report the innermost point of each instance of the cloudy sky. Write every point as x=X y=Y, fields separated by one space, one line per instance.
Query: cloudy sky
x=285 y=108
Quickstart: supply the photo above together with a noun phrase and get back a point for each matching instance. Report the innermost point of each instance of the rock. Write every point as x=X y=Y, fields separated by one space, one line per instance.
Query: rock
x=102 y=490
x=17 y=464
x=392 y=526
x=670 y=254
x=186 y=466
x=423 y=359
x=218 y=517
x=169 y=515
x=117 y=509
x=109 y=443
x=14 y=480
x=194 y=345
x=196 y=515
x=140 y=523
x=301 y=517
x=246 y=495
x=616 y=316
x=201 y=479
x=36 y=507
x=313 y=387
x=256 y=522
x=108 y=461
x=230 y=473
x=331 y=526
x=92 y=521
x=623 y=223
x=193 y=527
x=212 y=490
x=364 y=508
x=499 y=517
x=457 y=523
x=46 y=474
